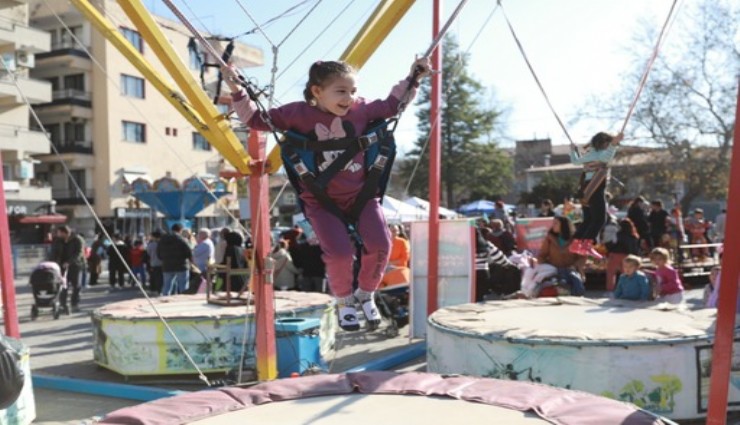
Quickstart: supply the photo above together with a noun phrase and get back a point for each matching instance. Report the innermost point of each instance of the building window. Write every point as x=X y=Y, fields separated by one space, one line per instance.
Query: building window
x=7 y=171
x=193 y=58
x=77 y=176
x=74 y=132
x=132 y=86
x=55 y=133
x=134 y=132
x=54 y=83
x=134 y=38
x=200 y=143
x=74 y=81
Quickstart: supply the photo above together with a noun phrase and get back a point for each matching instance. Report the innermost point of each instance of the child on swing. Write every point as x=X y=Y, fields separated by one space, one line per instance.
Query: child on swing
x=332 y=110
x=600 y=151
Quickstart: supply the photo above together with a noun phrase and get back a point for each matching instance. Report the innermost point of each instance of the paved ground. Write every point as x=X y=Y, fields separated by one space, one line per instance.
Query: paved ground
x=64 y=348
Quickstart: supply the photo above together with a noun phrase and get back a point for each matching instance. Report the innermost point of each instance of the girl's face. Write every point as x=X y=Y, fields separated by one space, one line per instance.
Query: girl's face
x=556 y=226
x=336 y=97
x=658 y=260
x=394 y=230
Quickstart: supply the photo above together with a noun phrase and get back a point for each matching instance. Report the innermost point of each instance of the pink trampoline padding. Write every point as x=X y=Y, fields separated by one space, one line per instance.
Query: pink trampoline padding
x=557 y=405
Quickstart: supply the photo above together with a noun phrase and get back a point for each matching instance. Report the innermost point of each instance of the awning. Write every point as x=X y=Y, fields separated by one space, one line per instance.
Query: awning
x=43 y=219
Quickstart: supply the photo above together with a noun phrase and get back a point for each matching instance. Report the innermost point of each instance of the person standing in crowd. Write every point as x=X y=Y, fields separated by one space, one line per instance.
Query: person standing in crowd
x=546 y=209
x=658 y=222
x=309 y=260
x=234 y=257
x=204 y=251
x=627 y=243
x=155 y=264
x=117 y=255
x=697 y=227
x=220 y=248
x=72 y=262
x=138 y=263
x=720 y=223
x=500 y=213
x=175 y=254
x=95 y=260
x=636 y=213
x=285 y=272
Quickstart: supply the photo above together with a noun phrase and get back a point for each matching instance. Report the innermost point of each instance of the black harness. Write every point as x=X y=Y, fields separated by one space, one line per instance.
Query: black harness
x=300 y=153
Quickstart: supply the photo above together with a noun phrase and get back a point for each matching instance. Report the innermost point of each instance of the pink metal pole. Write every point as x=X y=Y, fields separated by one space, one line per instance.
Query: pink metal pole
x=266 y=352
x=435 y=160
x=727 y=304
x=7 y=284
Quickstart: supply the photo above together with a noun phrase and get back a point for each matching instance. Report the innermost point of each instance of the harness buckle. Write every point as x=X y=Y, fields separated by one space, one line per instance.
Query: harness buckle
x=380 y=162
x=366 y=140
x=301 y=168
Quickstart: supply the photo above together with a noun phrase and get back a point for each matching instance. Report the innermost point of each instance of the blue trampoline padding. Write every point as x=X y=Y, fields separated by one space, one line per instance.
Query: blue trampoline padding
x=105 y=389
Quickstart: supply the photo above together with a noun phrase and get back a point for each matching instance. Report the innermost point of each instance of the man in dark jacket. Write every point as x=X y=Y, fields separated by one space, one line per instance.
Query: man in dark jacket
x=72 y=260
x=175 y=254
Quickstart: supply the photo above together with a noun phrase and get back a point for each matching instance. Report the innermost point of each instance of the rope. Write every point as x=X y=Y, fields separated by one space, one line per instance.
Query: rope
x=311 y=43
x=534 y=74
x=444 y=29
x=257 y=26
x=299 y=23
x=95 y=216
x=648 y=68
x=273 y=19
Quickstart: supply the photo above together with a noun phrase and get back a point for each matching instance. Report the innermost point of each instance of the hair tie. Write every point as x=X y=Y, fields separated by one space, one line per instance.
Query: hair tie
x=318 y=63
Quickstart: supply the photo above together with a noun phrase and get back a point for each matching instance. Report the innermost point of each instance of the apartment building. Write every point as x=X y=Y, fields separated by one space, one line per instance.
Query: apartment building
x=25 y=195
x=108 y=123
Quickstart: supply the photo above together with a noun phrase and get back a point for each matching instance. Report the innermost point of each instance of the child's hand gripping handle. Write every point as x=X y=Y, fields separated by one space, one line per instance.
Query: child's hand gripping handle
x=236 y=81
x=421 y=68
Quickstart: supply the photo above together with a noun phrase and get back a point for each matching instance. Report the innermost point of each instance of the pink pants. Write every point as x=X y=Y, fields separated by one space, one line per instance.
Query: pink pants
x=338 y=249
x=613 y=265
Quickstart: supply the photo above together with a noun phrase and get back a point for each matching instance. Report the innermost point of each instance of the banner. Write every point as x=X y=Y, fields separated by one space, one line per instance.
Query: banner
x=531 y=232
x=456 y=280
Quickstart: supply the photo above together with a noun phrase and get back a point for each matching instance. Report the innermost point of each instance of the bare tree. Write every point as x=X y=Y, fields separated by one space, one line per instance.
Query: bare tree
x=687 y=106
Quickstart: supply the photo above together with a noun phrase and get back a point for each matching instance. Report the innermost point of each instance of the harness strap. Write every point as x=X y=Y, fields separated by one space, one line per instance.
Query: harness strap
x=372 y=180
x=362 y=142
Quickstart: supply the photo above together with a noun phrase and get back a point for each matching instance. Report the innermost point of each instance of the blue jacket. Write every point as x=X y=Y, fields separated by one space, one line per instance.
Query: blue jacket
x=634 y=287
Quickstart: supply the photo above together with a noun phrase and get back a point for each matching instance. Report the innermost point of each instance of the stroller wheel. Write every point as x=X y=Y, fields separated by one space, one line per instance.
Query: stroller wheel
x=56 y=310
x=34 y=312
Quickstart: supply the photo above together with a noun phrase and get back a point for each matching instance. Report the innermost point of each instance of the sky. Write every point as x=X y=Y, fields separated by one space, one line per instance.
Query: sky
x=579 y=48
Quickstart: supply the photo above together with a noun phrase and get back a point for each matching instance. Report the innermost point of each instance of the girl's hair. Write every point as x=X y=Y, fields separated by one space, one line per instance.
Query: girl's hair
x=662 y=253
x=322 y=73
x=566 y=228
x=601 y=141
x=627 y=226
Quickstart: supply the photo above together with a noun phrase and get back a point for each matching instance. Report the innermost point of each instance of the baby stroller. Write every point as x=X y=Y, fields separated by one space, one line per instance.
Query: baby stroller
x=48 y=286
x=392 y=302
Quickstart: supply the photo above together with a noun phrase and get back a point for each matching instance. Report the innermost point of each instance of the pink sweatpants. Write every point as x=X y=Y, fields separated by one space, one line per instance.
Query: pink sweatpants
x=338 y=249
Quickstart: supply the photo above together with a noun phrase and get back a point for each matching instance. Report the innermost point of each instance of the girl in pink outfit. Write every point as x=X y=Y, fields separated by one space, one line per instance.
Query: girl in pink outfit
x=332 y=110
x=669 y=282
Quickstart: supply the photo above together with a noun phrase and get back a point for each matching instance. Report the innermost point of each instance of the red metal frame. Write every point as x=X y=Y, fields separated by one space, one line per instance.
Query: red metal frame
x=261 y=286
x=7 y=284
x=727 y=303
x=435 y=160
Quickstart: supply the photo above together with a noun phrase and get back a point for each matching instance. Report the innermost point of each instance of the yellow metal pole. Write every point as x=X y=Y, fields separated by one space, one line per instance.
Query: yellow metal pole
x=376 y=29
x=222 y=136
x=112 y=34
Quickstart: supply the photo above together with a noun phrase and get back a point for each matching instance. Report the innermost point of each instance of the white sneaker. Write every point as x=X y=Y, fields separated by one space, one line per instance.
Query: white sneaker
x=372 y=315
x=348 y=318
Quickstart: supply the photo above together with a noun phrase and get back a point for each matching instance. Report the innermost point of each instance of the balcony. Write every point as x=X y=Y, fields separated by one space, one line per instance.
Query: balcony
x=67 y=103
x=16 y=191
x=65 y=54
x=79 y=146
x=22 y=37
x=72 y=197
x=20 y=138
x=36 y=91
x=12 y=3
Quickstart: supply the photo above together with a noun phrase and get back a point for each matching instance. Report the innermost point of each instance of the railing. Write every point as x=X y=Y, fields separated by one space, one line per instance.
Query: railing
x=70 y=94
x=71 y=196
x=78 y=146
x=67 y=44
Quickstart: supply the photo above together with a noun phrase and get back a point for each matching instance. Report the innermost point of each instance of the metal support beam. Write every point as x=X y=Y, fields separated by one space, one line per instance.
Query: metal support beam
x=7 y=284
x=205 y=118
